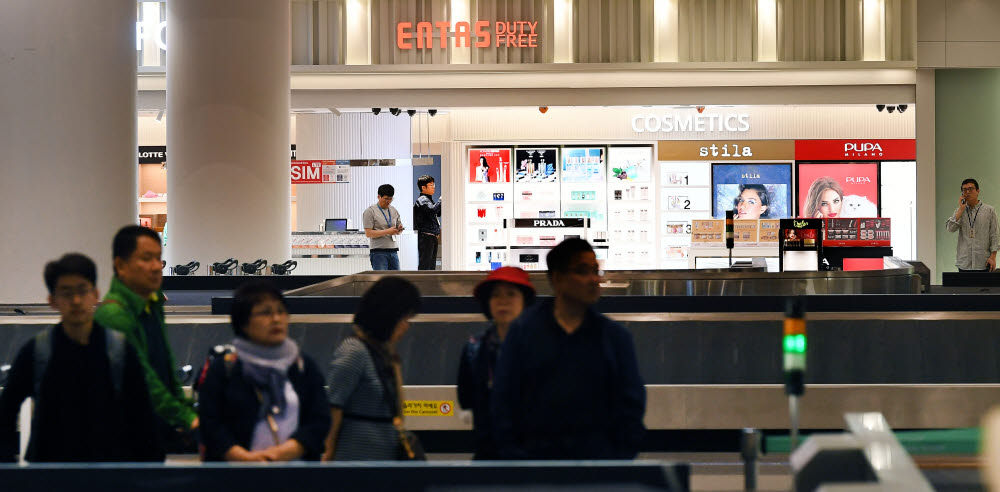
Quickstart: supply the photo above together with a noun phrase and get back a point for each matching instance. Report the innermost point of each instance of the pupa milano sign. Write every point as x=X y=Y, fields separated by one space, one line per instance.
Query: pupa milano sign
x=690 y=122
x=511 y=34
x=857 y=149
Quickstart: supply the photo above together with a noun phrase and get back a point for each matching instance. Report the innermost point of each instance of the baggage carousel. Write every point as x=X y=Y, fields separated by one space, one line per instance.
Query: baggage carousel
x=926 y=361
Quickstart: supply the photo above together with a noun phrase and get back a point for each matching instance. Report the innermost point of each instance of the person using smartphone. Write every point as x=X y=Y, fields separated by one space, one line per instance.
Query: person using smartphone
x=978 y=238
x=383 y=226
x=426 y=215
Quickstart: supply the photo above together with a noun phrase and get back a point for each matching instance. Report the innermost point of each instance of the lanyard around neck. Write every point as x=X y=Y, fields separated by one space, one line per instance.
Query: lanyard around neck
x=972 y=220
x=387 y=224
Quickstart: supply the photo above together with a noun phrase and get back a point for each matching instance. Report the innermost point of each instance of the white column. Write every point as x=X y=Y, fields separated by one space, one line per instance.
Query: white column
x=767 y=30
x=228 y=131
x=563 y=26
x=68 y=140
x=460 y=13
x=927 y=220
x=359 y=42
x=873 y=23
x=665 y=30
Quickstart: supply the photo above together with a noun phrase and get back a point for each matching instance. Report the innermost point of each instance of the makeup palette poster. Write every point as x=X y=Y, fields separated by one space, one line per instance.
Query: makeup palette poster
x=752 y=191
x=535 y=165
x=583 y=165
x=830 y=190
x=489 y=166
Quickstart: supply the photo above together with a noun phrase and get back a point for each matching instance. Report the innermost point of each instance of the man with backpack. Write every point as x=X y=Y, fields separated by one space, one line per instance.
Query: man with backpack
x=91 y=400
x=134 y=307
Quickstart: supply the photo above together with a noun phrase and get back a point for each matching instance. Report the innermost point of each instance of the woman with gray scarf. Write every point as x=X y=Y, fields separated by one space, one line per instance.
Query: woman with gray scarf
x=264 y=401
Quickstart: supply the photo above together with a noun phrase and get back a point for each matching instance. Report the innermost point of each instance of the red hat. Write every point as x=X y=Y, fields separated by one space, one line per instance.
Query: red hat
x=508 y=274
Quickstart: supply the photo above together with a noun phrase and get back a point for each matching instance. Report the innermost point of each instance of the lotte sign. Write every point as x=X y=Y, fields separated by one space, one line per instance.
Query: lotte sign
x=517 y=34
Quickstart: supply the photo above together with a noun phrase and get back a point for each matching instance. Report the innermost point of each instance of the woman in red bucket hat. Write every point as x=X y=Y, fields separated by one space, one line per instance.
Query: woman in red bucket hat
x=503 y=294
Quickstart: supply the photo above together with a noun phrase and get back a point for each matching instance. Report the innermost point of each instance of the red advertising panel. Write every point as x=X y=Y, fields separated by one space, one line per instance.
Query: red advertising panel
x=316 y=172
x=838 y=189
x=489 y=166
x=858 y=232
x=856 y=150
x=307 y=172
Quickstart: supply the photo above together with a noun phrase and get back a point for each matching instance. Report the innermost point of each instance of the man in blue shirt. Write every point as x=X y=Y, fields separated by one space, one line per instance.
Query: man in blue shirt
x=567 y=383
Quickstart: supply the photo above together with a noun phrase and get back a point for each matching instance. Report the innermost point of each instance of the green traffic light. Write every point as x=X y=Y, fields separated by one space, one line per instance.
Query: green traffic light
x=795 y=344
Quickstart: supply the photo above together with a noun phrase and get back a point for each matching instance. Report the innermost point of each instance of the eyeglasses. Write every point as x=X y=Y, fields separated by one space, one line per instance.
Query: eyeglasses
x=270 y=313
x=970 y=189
x=70 y=294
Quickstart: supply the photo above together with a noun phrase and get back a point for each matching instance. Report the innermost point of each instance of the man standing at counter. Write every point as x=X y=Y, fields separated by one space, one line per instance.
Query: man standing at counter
x=425 y=221
x=567 y=383
x=134 y=306
x=978 y=235
x=382 y=225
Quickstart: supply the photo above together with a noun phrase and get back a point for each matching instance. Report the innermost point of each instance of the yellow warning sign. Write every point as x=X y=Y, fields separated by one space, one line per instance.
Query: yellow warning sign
x=428 y=408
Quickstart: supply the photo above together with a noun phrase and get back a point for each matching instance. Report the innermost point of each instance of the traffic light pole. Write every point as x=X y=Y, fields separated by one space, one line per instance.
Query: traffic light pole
x=794 y=362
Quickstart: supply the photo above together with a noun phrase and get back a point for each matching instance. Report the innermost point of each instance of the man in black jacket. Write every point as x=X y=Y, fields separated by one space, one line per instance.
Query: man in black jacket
x=567 y=383
x=91 y=401
x=425 y=221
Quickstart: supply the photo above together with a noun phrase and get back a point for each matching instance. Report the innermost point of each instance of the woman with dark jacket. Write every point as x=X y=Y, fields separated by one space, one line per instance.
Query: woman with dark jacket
x=365 y=381
x=503 y=294
x=264 y=401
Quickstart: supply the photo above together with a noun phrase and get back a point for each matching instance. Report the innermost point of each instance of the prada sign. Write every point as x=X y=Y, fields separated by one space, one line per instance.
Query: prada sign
x=546 y=223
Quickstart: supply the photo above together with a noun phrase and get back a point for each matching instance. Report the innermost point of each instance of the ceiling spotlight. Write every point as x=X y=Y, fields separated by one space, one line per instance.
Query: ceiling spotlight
x=411 y=112
x=432 y=112
x=902 y=107
x=159 y=116
x=880 y=107
x=890 y=108
x=376 y=111
x=394 y=111
x=335 y=111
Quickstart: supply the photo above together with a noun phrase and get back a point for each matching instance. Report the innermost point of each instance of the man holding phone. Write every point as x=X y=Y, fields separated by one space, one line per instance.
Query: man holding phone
x=978 y=238
x=382 y=226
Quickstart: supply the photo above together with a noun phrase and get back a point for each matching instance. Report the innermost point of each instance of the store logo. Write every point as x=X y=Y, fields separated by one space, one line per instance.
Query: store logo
x=498 y=197
x=481 y=213
x=800 y=223
x=516 y=34
x=150 y=30
x=750 y=176
x=862 y=149
x=308 y=172
x=714 y=150
x=549 y=223
x=726 y=122
x=859 y=179
x=152 y=155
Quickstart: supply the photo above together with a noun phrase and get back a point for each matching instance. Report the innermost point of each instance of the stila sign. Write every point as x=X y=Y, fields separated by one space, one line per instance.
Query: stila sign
x=514 y=34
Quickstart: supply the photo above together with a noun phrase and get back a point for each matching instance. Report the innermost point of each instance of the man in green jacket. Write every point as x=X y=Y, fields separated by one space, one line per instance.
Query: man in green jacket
x=134 y=306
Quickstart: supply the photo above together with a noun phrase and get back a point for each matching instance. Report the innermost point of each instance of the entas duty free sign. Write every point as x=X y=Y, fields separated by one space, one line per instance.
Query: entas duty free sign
x=515 y=34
